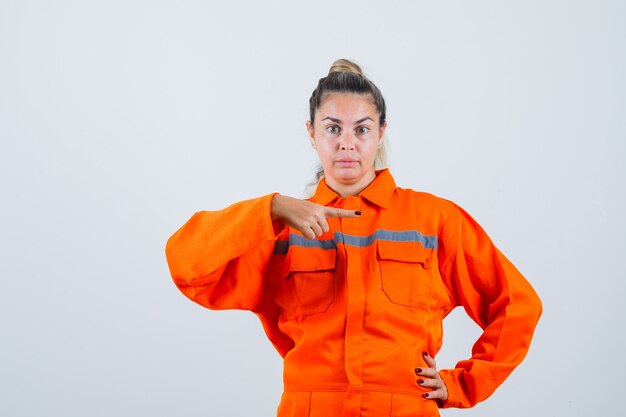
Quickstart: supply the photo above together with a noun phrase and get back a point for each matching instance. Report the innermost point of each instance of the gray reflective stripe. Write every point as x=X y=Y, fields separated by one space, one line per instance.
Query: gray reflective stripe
x=297 y=240
x=429 y=242
x=281 y=247
x=360 y=241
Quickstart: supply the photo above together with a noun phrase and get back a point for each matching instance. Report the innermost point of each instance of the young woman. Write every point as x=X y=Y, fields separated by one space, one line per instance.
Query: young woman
x=352 y=285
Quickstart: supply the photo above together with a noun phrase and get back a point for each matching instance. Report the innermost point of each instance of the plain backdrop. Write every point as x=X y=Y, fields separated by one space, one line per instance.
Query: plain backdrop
x=120 y=119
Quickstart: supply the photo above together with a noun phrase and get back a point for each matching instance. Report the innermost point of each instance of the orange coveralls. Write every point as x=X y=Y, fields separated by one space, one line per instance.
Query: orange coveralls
x=352 y=311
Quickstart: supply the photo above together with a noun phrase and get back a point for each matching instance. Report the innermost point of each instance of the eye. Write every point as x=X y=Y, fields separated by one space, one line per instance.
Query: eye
x=362 y=130
x=332 y=129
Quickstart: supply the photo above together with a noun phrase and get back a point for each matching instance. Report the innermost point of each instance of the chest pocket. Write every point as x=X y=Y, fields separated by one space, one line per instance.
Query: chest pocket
x=407 y=277
x=308 y=284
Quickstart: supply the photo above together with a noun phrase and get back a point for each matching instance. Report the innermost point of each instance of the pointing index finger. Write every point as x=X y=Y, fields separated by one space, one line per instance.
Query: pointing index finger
x=338 y=212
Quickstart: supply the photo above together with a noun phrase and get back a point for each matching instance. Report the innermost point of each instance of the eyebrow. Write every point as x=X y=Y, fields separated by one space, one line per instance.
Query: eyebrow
x=339 y=121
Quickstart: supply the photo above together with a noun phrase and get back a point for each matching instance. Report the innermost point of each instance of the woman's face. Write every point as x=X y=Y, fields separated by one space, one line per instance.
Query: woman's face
x=346 y=134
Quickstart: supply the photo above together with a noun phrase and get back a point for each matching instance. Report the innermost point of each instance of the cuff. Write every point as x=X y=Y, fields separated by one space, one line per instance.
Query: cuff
x=273 y=227
x=450 y=378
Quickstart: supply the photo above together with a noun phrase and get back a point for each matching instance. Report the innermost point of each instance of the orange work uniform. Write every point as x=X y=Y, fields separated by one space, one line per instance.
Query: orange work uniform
x=352 y=311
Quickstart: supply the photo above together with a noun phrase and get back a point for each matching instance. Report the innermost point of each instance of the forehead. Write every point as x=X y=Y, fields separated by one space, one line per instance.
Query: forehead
x=347 y=106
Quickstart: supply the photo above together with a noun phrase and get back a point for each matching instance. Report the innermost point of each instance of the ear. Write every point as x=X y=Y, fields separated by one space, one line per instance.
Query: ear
x=311 y=132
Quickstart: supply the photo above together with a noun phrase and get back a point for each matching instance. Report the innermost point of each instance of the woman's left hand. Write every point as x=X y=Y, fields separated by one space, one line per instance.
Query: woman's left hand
x=432 y=380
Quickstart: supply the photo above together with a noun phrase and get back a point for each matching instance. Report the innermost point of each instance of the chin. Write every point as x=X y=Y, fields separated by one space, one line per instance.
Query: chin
x=347 y=175
x=347 y=179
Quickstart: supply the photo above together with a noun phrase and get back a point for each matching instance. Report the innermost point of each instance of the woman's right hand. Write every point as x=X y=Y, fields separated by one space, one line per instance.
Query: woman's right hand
x=305 y=216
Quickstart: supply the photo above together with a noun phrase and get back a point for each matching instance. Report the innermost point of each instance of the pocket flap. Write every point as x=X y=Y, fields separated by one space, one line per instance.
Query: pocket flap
x=311 y=259
x=404 y=252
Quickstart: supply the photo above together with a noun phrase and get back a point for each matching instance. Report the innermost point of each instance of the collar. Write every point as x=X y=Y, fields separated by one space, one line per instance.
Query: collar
x=379 y=191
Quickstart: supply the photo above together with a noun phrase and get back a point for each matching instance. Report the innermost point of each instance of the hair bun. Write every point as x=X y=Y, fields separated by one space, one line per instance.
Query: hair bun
x=344 y=65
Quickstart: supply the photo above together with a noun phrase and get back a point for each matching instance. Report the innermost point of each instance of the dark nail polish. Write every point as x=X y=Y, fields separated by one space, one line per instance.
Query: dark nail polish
x=425 y=395
x=418 y=370
x=425 y=353
x=357 y=212
x=420 y=381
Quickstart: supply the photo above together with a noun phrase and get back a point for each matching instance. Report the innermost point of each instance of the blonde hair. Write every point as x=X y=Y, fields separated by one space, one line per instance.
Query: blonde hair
x=346 y=76
x=345 y=65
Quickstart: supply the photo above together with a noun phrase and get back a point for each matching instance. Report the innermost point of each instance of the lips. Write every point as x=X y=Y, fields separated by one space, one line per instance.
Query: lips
x=347 y=162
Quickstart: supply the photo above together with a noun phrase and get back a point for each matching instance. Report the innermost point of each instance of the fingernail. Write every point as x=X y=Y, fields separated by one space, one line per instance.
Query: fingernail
x=357 y=212
x=420 y=381
x=418 y=370
x=425 y=395
x=425 y=353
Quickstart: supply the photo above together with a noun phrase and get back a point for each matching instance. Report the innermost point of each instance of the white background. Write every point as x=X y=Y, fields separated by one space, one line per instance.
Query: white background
x=120 y=119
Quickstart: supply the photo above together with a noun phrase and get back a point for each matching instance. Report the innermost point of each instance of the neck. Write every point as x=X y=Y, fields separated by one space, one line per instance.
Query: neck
x=348 y=189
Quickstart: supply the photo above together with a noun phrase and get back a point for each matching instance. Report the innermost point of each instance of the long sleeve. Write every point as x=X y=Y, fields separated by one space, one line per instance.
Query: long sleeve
x=219 y=258
x=497 y=297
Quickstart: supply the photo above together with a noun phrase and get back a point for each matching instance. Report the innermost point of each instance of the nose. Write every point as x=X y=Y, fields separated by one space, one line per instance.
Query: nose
x=347 y=142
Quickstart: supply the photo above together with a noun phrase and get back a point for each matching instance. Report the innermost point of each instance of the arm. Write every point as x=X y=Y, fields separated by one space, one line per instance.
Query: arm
x=497 y=297
x=219 y=258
